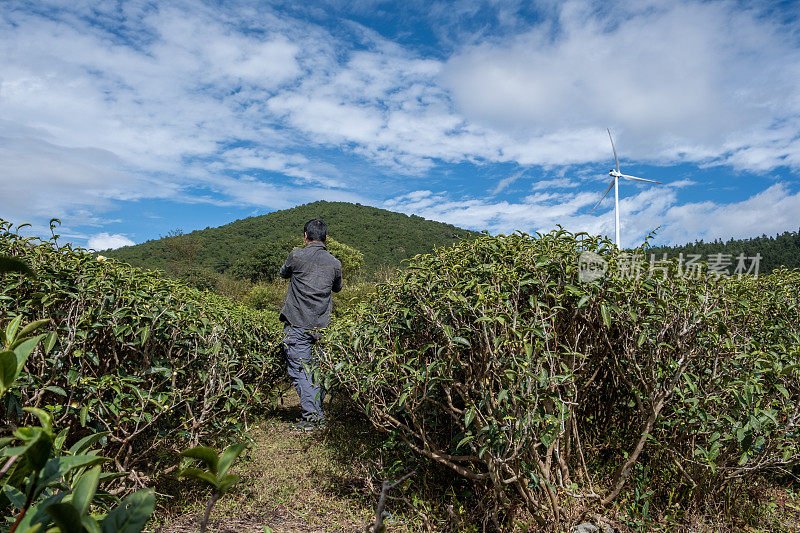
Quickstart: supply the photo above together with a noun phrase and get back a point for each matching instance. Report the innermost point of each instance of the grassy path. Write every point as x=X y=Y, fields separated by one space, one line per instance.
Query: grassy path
x=296 y=482
x=292 y=482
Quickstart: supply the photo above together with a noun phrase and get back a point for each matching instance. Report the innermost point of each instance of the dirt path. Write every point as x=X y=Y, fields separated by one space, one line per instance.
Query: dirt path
x=291 y=482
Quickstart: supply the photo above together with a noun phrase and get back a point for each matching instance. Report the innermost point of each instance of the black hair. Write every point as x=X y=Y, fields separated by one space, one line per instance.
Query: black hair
x=316 y=230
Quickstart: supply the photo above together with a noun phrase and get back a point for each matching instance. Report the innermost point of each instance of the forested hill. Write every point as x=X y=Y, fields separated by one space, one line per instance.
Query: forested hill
x=384 y=237
x=778 y=251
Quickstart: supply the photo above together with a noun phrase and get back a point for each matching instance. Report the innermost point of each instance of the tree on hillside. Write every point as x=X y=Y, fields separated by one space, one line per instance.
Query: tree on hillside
x=181 y=253
x=264 y=263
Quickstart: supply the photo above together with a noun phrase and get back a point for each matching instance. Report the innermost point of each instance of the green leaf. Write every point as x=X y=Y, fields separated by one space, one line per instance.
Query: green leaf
x=11 y=329
x=24 y=349
x=8 y=370
x=606 y=315
x=402 y=399
x=131 y=514
x=16 y=498
x=66 y=517
x=58 y=442
x=642 y=337
x=229 y=456
x=202 y=475
x=57 y=467
x=462 y=341
x=90 y=525
x=37 y=447
x=84 y=489
x=469 y=416
x=57 y=390
x=50 y=342
x=33 y=326
x=23 y=346
x=37 y=515
x=464 y=441
x=227 y=482
x=206 y=455
x=86 y=442
x=45 y=418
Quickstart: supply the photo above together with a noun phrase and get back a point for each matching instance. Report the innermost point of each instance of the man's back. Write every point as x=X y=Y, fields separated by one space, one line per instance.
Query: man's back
x=314 y=273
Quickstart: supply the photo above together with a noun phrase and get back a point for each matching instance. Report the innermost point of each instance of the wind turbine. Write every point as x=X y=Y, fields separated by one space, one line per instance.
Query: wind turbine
x=616 y=174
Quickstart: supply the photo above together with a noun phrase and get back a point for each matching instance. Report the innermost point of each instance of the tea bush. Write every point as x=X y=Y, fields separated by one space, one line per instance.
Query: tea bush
x=494 y=359
x=145 y=358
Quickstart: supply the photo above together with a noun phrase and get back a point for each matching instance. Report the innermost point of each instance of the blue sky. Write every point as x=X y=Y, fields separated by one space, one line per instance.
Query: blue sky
x=130 y=119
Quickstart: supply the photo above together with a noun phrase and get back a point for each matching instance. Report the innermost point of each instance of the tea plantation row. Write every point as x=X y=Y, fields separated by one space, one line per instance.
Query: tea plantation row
x=557 y=398
x=148 y=360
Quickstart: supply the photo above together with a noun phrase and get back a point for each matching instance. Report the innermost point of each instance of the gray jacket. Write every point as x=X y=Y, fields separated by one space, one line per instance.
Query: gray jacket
x=314 y=273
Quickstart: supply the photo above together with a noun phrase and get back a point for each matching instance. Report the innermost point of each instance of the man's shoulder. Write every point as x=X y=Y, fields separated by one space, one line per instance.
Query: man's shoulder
x=335 y=261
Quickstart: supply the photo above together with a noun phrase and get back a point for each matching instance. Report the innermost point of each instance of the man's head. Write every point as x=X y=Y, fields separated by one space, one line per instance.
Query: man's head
x=315 y=230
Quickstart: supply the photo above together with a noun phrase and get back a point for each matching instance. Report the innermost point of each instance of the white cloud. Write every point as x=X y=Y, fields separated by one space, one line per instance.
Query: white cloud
x=771 y=211
x=504 y=183
x=564 y=183
x=90 y=117
x=675 y=80
x=105 y=241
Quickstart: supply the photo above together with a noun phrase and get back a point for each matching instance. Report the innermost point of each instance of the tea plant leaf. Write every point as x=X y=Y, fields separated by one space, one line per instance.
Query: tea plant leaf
x=205 y=454
x=199 y=474
x=606 y=315
x=227 y=458
x=66 y=517
x=131 y=515
x=84 y=489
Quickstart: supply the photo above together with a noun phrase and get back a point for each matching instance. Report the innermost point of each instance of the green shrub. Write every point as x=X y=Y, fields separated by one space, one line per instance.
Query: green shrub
x=268 y=295
x=145 y=358
x=200 y=278
x=42 y=483
x=352 y=294
x=493 y=359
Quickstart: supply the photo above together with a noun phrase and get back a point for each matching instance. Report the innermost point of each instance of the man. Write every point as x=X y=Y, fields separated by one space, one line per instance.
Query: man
x=313 y=273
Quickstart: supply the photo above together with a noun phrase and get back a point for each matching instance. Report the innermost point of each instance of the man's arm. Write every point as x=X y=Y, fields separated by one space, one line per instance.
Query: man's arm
x=286 y=269
x=337 y=279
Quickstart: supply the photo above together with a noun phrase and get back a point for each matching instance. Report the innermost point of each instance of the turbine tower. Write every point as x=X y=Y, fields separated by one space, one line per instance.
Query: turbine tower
x=616 y=174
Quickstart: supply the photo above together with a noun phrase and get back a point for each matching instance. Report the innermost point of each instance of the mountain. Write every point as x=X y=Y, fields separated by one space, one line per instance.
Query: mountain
x=384 y=237
x=783 y=250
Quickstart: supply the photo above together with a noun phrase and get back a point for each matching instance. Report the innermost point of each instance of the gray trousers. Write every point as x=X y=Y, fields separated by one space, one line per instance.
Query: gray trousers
x=302 y=360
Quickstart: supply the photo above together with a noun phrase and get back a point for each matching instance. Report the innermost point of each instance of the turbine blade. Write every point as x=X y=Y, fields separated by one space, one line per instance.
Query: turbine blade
x=601 y=198
x=639 y=179
x=616 y=159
